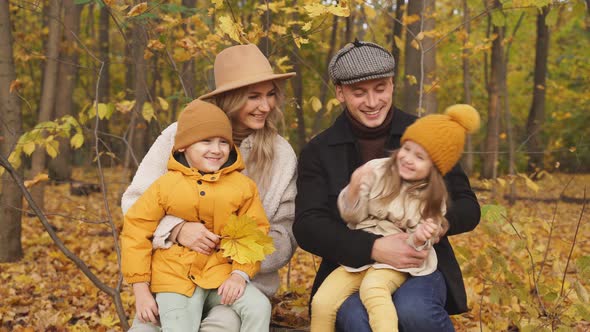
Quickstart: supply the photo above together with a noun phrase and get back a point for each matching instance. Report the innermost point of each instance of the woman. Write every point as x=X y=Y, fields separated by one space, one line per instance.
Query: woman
x=249 y=92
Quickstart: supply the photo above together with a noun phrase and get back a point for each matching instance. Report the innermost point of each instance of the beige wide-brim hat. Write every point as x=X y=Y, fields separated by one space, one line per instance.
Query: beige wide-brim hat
x=239 y=66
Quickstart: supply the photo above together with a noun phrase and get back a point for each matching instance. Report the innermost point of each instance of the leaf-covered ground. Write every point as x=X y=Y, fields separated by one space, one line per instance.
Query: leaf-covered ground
x=513 y=282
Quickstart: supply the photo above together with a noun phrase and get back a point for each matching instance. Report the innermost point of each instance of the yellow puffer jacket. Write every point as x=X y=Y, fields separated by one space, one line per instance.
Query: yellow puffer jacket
x=187 y=194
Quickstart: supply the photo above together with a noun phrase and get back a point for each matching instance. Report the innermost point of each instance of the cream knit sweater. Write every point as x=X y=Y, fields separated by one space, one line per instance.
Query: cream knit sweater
x=278 y=201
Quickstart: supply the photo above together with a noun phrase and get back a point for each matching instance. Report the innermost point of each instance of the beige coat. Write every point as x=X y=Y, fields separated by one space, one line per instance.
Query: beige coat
x=400 y=215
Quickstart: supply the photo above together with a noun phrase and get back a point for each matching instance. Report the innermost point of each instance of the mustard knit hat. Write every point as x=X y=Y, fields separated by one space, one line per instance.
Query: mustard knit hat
x=200 y=120
x=443 y=135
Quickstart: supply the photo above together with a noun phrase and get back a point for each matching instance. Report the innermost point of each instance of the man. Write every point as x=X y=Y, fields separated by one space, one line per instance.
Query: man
x=369 y=128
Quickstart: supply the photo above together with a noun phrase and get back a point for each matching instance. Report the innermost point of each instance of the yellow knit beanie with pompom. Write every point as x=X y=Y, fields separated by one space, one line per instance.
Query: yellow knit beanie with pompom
x=443 y=135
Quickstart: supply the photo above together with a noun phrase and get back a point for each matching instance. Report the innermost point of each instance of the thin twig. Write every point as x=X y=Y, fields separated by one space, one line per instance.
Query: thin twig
x=569 y=256
x=116 y=295
x=535 y=285
x=551 y=228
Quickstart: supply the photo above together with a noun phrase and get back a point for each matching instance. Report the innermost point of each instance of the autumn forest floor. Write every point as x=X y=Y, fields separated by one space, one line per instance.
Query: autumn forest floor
x=520 y=268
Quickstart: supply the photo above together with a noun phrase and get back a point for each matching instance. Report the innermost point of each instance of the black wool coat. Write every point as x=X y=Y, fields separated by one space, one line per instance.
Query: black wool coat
x=325 y=166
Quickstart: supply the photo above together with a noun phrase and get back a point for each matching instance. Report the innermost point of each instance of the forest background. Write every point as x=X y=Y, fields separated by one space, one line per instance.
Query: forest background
x=87 y=85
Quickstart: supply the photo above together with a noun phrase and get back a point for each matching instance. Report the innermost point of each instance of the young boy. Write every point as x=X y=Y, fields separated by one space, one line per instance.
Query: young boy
x=203 y=184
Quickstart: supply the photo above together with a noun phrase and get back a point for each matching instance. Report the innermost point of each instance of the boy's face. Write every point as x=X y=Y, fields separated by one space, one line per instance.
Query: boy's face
x=367 y=101
x=207 y=155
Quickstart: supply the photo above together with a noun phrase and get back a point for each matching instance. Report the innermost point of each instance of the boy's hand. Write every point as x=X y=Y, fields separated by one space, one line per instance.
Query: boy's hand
x=146 y=308
x=231 y=289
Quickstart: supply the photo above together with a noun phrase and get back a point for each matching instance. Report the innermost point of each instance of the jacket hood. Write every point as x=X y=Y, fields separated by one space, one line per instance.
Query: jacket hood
x=233 y=163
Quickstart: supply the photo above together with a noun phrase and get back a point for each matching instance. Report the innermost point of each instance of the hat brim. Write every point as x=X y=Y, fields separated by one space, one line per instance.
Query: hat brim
x=245 y=82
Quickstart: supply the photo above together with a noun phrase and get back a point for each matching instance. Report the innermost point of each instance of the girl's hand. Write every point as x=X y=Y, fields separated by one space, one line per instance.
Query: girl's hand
x=363 y=175
x=146 y=308
x=361 y=180
x=231 y=289
x=197 y=237
x=426 y=231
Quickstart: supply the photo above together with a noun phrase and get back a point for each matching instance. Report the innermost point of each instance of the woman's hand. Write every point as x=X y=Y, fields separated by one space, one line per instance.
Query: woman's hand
x=197 y=237
x=146 y=308
x=231 y=289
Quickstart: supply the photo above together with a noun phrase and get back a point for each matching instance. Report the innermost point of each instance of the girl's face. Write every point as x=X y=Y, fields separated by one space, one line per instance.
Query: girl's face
x=261 y=100
x=207 y=155
x=413 y=162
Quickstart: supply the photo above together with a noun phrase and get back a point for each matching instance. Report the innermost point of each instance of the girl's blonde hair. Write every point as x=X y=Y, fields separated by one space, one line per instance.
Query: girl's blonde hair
x=431 y=191
x=259 y=162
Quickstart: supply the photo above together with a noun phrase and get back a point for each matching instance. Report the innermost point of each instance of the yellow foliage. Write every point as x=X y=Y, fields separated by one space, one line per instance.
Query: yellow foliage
x=331 y=103
x=407 y=20
x=278 y=29
x=316 y=104
x=138 y=9
x=147 y=111
x=411 y=79
x=230 y=28
x=317 y=9
x=243 y=241
x=163 y=103
x=41 y=177
x=282 y=65
x=155 y=44
x=300 y=40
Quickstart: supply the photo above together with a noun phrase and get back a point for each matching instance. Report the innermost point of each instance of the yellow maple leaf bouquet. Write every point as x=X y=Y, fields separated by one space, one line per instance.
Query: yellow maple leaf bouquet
x=243 y=242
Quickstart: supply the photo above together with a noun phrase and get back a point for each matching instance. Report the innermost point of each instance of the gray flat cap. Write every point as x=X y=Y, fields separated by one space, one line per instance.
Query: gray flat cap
x=360 y=61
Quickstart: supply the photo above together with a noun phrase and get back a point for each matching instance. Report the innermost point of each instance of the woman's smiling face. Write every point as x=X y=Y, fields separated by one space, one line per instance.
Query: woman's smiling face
x=261 y=100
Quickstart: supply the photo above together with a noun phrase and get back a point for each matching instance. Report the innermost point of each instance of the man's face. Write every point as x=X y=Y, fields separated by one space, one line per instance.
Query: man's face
x=367 y=101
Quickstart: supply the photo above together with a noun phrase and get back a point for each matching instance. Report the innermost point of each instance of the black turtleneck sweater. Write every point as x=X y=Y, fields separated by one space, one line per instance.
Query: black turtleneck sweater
x=371 y=141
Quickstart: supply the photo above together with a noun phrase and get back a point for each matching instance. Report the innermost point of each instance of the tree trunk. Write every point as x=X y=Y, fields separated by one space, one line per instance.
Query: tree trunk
x=60 y=168
x=48 y=95
x=103 y=51
x=347 y=38
x=139 y=126
x=10 y=131
x=397 y=32
x=468 y=156
x=325 y=82
x=104 y=82
x=508 y=116
x=297 y=86
x=536 y=116
x=420 y=63
x=266 y=20
x=189 y=74
x=494 y=91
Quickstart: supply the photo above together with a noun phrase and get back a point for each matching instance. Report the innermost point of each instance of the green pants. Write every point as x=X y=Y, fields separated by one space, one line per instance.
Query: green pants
x=179 y=313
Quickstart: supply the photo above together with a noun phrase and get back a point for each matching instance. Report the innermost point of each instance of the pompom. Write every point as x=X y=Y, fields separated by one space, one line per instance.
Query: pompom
x=465 y=115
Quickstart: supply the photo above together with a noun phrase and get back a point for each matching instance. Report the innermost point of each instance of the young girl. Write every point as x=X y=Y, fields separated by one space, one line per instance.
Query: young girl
x=249 y=92
x=403 y=193
x=203 y=185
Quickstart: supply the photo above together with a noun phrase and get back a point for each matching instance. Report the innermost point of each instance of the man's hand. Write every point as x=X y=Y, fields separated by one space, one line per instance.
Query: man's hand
x=146 y=308
x=231 y=289
x=393 y=250
x=197 y=237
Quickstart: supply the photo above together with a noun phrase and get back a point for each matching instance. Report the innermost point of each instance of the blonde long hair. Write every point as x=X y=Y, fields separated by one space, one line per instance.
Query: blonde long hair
x=259 y=162
x=431 y=191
